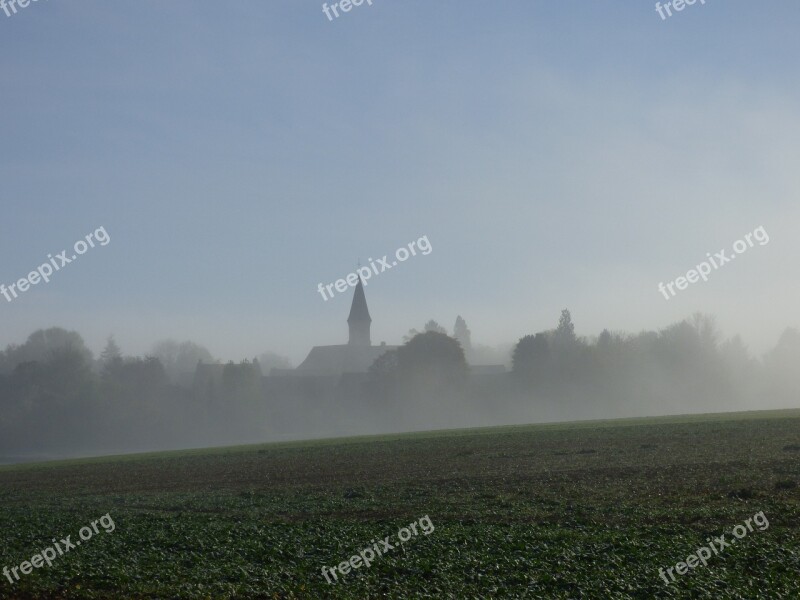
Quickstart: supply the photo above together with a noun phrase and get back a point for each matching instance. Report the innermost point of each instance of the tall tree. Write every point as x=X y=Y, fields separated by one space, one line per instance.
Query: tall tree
x=565 y=332
x=462 y=333
x=111 y=353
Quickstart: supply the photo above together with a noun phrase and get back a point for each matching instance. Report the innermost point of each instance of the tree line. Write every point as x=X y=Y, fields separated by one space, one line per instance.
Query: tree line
x=55 y=397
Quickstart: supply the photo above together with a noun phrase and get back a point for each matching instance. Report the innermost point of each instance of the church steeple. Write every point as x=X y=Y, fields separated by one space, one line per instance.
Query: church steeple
x=359 y=320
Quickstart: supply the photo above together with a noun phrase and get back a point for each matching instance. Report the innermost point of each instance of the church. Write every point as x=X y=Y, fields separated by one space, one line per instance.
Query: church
x=356 y=356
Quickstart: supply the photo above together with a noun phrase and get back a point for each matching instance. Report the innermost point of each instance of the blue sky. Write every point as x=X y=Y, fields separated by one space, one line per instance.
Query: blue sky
x=556 y=154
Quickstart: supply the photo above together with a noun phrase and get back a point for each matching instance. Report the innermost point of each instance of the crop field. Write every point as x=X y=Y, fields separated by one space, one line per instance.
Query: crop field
x=576 y=510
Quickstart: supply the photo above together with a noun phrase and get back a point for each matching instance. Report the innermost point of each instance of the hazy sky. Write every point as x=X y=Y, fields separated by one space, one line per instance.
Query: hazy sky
x=556 y=154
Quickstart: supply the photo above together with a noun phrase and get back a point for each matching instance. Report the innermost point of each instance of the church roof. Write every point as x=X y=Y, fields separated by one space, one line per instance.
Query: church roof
x=358 y=309
x=344 y=358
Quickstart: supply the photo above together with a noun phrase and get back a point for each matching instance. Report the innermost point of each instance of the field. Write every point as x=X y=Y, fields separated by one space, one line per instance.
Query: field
x=579 y=510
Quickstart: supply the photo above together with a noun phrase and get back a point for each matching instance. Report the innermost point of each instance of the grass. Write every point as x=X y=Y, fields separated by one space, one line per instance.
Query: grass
x=572 y=510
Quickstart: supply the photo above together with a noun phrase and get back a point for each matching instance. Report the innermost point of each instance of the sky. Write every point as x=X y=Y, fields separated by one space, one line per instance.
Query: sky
x=568 y=154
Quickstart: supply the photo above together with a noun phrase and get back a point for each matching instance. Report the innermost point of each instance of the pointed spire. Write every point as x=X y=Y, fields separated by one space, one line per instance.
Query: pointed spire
x=359 y=319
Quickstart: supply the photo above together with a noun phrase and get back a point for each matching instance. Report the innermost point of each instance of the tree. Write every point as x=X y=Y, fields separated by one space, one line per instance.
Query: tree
x=706 y=328
x=565 y=332
x=41 y=345
x=111 y=353
x=431 y=362
x=782 y=360
x=681 y=346
x=53 y=402
x=462 y=333
x=735 y=354
x=531 y=356
x=241 y=388
x=242 y=381
x=272 y=360
x=740 y=370
x=429 y=326
x=382 y=376
x=385 y=366
x=434 y=326
x=608 y=353
x=180 y=359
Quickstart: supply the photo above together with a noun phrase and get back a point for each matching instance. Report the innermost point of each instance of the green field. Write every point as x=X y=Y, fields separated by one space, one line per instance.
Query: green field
x=581 y=510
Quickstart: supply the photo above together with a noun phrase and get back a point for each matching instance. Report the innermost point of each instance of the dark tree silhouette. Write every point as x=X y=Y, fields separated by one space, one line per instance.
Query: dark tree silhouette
x=564 y=334
x=40 y=346
x=531 y=356
x=383 y=377
x=431 y=325
x=432 y=361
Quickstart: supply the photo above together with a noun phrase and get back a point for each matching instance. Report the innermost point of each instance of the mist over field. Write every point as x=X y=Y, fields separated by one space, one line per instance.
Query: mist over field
x=60 y=400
